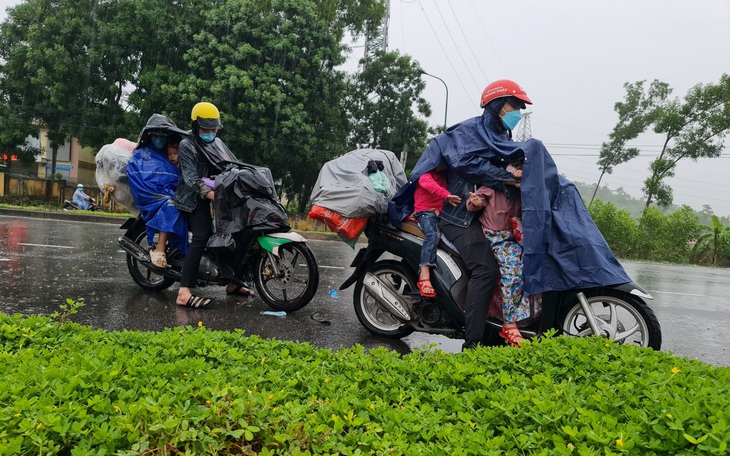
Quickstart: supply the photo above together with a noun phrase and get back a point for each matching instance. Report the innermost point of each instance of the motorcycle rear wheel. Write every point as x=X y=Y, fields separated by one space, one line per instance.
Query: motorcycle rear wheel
x=297 y=281
x=621 y=317
x=374 y=316
x=141 y=274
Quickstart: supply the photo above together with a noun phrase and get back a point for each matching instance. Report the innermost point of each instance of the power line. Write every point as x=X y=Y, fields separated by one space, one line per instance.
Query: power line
x=451 y=64
x=468 y=44
x=458 y=48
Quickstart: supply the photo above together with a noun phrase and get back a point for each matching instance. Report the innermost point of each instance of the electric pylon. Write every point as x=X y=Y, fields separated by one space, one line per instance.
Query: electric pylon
x=524 y=130
x=379 y=41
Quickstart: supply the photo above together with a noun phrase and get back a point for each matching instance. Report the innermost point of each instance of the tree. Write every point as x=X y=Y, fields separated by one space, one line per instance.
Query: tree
x=60 y=71
x=635 y=114
x=386 y=103
x=715 y=241
x=692 y=128
x=270 y=65
x=14 y=136
x=271 y=68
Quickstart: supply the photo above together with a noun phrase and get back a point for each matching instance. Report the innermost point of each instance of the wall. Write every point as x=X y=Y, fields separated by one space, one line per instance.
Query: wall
x=55 y=191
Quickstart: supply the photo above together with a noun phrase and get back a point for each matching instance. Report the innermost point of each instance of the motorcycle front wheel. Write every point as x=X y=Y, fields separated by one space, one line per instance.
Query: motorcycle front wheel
x=288 y=281
x=621 y=317
x=374 y=316
x=141 y=274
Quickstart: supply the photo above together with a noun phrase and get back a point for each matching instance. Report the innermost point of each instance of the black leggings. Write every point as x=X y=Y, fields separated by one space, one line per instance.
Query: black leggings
x=200 y=223
x=476 y=252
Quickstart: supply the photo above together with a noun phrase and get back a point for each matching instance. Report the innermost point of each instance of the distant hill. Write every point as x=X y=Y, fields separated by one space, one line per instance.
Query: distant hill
x=634 y=206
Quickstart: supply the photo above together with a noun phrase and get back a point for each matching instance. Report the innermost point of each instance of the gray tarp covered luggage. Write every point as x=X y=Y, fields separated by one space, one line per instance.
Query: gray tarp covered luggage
x=343 y=185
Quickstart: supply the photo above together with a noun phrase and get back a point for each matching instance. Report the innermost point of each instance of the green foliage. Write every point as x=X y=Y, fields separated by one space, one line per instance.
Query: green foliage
x=668 y=238
x=66 y=310
x=618 y=228
x=74 y=390
x=654 y=236
x=383 y=107
x=714 y=245
x=271 y=67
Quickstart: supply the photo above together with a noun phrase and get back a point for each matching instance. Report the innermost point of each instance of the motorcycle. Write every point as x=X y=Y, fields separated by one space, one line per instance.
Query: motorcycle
x=70 y=205
x=388 y=303
x=281 y=265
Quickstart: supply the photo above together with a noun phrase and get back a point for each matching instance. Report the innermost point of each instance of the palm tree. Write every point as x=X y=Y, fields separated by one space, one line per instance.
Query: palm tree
x=716 y=240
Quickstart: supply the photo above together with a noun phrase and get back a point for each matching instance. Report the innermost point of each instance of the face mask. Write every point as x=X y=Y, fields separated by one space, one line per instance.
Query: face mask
x=511 y=119
x=207 y=137
x=159 y=142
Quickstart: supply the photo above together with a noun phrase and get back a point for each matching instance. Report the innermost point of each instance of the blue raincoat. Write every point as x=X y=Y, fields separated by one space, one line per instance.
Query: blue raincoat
x=563 y=248
x=153 y=180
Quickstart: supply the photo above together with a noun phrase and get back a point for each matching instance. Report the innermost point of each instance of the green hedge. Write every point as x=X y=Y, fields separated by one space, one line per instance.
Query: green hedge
x=69 y=389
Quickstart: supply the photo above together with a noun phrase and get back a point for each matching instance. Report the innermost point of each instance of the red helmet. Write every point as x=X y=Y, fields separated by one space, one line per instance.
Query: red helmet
x=503 y=88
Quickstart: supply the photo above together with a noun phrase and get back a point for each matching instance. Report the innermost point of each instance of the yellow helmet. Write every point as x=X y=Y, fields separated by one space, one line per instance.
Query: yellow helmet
x=206 y=115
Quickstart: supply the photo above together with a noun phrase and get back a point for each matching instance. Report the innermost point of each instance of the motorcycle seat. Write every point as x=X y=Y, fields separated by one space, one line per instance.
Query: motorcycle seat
x=412 y=228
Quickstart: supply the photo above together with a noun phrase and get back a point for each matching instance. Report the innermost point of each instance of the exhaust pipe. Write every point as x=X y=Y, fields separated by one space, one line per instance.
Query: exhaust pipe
x=383 y=294
x=134 y=249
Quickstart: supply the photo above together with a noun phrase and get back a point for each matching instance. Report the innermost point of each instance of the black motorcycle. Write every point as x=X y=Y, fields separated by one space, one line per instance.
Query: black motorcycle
x=281 y=265
x=388 y=303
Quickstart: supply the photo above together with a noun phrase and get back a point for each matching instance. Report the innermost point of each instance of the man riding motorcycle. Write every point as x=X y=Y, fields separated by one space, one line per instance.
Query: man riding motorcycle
x=82 y=200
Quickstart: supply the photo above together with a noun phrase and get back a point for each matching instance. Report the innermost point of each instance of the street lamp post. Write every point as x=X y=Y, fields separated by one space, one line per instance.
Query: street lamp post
x=446 y=106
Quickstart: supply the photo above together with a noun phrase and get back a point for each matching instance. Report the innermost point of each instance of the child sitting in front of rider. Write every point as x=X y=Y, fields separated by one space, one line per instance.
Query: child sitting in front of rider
x=172 y=151
x=498 y=211
x=153 y=178
x=428 y=200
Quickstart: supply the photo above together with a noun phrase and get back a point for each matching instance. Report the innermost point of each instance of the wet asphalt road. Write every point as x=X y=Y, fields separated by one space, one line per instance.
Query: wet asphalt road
x=43 y=262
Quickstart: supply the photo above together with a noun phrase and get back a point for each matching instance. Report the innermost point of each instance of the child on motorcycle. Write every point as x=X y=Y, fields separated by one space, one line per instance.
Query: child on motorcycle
x=428 y=200
x=498 y=212
x=153 y=180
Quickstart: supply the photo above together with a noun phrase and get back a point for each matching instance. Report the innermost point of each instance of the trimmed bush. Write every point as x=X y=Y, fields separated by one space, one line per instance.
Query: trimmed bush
x=71 y=390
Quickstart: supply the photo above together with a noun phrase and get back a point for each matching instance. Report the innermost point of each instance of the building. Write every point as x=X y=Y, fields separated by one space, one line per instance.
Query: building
x=74 y=163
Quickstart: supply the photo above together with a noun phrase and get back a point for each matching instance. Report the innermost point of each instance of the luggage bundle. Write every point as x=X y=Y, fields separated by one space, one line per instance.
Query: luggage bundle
x=111 y=173
x=354 y=186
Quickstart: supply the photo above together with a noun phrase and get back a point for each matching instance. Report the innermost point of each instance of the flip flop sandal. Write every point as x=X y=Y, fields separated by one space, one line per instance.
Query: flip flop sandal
x=425 y=288
x=512 y=336
x=241 y=291
x=158 y=259
x=198 y=302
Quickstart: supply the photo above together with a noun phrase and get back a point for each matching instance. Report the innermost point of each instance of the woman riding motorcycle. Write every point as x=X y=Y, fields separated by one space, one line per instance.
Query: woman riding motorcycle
x=202 y=156
x=563 y=249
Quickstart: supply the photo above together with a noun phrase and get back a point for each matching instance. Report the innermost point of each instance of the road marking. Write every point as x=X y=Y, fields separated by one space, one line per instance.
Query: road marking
x=48 y=245
x=680 y=294
x=321 y=266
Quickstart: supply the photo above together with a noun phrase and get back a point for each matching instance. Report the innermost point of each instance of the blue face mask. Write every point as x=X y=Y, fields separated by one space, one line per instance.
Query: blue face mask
x=160 y=142
x=511 y=119
x=207 y=137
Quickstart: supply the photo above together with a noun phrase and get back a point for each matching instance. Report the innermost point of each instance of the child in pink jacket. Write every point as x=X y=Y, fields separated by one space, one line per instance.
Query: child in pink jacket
x=428 y=200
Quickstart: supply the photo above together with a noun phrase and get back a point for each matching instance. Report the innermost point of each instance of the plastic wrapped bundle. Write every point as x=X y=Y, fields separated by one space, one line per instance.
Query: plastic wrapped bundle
x=359 y=183
x=111 y=173
x=349 y=229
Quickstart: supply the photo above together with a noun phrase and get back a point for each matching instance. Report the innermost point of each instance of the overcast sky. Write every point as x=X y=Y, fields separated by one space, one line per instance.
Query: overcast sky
x=572 y=57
